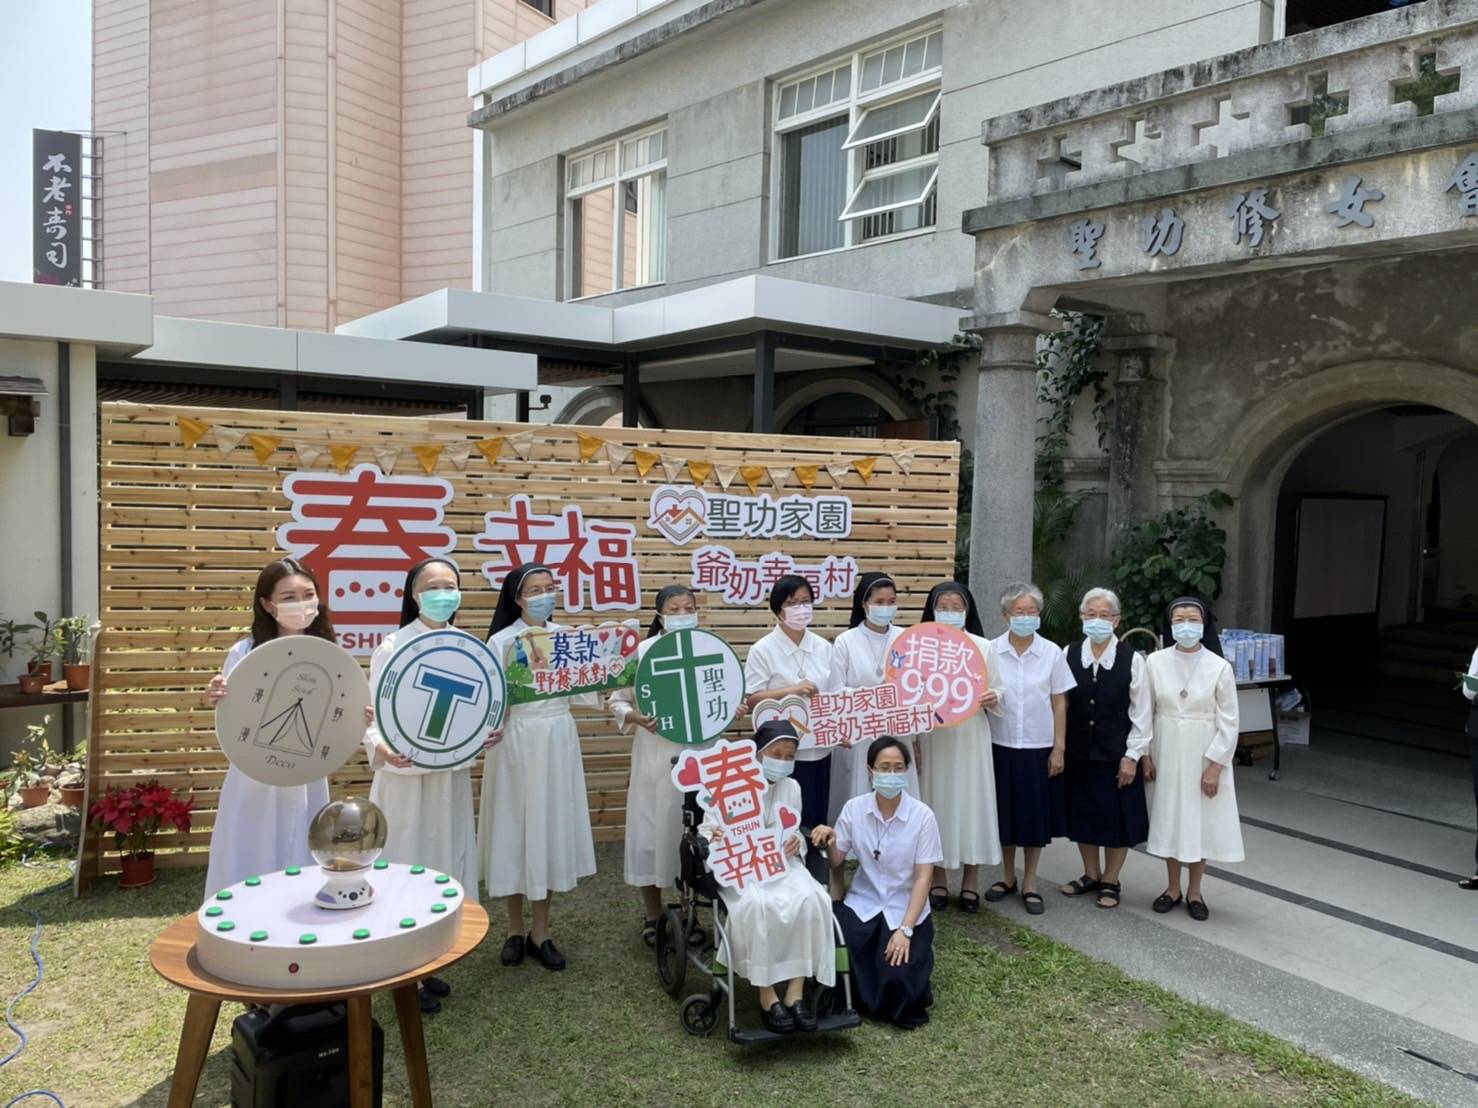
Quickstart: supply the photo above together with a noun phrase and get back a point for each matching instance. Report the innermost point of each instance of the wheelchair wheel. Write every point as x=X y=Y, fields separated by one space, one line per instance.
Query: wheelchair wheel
x=700 y=1014
x=672 y=951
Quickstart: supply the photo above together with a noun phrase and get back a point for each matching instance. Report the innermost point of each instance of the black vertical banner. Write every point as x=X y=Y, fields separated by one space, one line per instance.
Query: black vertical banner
x=56 y=201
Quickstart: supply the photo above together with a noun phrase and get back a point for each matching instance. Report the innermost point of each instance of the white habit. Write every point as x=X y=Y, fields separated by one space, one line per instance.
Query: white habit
x=1190 y=730
x=780 y=929
x=259 y=828
x=858 y=661
x=533 y=833
x=428 y=813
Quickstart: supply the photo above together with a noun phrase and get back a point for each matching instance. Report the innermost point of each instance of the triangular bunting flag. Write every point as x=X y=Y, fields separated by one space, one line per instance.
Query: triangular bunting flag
x=778 y=476
x=616 y=456
x=308 y=453
x=427 y=454
x=838 y=471
x=263 y=446
x=192 y=430
x=386 y=456
x=645 y=460
x=725 y=474
x=864 y=468
x=342 y=454
x=458 y=453
x=228 y=438
x=490 y=448
x=807 y=475
x=904 y=458
x=522 y=443
x=699 y=471
x=589 y=445
x=674 y=467
x=752 y=475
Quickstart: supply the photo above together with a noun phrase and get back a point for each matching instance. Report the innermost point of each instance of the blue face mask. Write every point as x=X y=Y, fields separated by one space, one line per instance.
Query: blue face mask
x=540 y=608
x=680 y=621
x=439 y=604
x=1099 y=630
x=777 y=769
x=1187 y=634
x=950 y=619
x=1023 y=626
x=888 y=785
x=883 y=614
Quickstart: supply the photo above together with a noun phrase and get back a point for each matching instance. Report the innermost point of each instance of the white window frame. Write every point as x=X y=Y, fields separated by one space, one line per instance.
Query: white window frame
x=614 y=181
x=853 y=107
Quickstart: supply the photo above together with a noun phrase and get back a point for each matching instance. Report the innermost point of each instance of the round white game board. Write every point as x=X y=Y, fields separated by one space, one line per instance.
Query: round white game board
x=267 y=932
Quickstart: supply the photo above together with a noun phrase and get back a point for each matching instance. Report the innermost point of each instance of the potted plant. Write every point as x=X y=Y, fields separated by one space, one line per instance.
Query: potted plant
x=134 y=816
x=10 y=637
x=74 y=635
x=28 y=782
x=73 y=781
x=44 y=646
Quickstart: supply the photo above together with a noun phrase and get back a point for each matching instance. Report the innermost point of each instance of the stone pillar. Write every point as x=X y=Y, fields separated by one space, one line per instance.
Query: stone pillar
x=1138 y=424
x=1005 y=453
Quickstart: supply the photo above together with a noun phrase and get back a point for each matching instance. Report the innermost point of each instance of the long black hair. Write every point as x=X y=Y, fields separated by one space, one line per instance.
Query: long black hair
x=507 y=613
x=865 y=586
x=666 y=593
x=786 y=587
x=972 y=614
x=1210 y=637
x=264 y=625
x=410 y=611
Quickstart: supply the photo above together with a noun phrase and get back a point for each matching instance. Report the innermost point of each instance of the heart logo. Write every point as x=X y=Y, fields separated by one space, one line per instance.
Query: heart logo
x=687 y=774
x=788 y=819
x=678 y=513
x=794 y=709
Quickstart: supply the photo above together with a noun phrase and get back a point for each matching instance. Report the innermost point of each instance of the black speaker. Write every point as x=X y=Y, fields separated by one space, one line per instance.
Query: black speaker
x=297 y=1056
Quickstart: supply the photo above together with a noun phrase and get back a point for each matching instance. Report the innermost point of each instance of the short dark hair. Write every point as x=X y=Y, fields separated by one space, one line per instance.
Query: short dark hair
x=786 y=587
x=882 y=744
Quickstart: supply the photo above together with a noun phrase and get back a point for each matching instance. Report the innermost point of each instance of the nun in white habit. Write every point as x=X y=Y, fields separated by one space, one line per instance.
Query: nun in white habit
x=534 y=833
x=1192 y=801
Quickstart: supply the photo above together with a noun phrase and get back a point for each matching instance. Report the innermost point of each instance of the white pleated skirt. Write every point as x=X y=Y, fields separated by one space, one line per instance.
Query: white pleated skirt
x=430 y=822
x=959 y=784
x=781 y=929
x=1186 y=824
x=260 y=828
x=654 y=812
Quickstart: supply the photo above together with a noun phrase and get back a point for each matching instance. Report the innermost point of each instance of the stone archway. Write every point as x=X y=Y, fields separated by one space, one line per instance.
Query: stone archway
x=598 y=405
x=881 y=395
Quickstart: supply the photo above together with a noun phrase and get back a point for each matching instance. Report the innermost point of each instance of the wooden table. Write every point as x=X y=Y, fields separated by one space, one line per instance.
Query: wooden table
x=173 y=956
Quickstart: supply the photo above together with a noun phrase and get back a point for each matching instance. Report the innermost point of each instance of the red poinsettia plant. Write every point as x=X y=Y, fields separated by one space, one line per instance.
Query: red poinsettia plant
x=136 y=814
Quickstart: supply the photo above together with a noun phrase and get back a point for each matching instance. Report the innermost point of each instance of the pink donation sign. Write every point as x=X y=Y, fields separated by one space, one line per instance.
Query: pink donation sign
x=939 y=668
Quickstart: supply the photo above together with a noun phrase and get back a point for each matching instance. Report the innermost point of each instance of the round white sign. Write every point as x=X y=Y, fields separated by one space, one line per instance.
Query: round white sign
x=692 y=684
x=439 y=695
x=293 y=710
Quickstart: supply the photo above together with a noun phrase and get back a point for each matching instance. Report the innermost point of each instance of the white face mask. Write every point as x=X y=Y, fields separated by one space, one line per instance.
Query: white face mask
x=882 y=614
x=1187 y=634
x=950 y=619
x=797 y=617
x=680 y=621
x=296 y=615
x=777 y=769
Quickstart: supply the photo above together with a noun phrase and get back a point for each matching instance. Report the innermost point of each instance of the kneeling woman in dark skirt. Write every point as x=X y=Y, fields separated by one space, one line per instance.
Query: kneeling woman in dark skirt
x=1109 y=727
x=885 y=917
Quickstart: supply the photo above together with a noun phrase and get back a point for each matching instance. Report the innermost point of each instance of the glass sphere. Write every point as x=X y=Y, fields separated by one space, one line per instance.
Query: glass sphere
x=347 y=835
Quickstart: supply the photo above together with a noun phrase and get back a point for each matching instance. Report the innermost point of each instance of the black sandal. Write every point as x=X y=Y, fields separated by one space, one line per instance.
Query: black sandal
x=969 y=901
x=1469 y=883
x=1108 y=890
x=1034 y=903
x=1081 y=886
x=939 y=898
x=999 y=891
x=1164 y=902
x=649 y=932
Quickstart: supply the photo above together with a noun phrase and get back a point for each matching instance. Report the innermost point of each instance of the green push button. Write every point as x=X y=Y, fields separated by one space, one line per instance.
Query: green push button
x=307 y=939
x=382 y=864
x=407 y=922
x=449 y=892
x=293 y=871
x=438 y=907
x=224 y=894
x=442 y=879
x=418 y=870
x=253 y=882
x=259 y=936
x=214 y=910
x=225 y=925
x=362 y=933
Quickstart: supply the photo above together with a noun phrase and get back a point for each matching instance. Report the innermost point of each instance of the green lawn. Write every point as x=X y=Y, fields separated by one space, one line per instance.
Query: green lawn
x=1018 y=1019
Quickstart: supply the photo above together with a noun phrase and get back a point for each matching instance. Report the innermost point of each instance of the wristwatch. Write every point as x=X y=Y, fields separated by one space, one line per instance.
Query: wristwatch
x=907 y=931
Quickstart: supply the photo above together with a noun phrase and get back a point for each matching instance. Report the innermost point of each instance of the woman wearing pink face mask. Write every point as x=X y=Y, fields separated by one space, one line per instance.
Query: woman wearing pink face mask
x=792 y=660
x=261 y=828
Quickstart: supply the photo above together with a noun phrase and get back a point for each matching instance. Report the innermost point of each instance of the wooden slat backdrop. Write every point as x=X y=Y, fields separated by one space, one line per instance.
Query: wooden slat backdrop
x=185 y=531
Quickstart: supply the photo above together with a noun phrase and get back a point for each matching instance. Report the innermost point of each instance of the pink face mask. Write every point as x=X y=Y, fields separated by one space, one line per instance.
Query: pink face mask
x=797 y=617
x=297 y=615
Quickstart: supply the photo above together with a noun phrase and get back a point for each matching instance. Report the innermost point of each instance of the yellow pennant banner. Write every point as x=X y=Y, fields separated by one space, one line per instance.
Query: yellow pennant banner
x=428 y=454
x=699 y=471
x=645 y=460
x=589 y=445
x=192 y=430
x=490 y=448
x=864 y=468
x=752 y=475
x=806 y=475
x=263 y=445
x=342 y=454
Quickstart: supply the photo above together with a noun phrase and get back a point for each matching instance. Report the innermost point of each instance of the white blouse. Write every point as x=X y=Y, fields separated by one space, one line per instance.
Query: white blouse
x=859 y=656
x=1030 y=680
x=775 y=662
x=1472 y=672
x=887 y=851
x=1141 y=704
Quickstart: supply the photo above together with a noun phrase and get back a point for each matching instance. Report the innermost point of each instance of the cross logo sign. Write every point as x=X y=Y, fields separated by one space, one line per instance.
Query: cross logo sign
x=692 y=684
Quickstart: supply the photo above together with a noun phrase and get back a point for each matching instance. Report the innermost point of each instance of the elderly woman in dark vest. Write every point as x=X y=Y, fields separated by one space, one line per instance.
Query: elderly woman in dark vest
x=1109 y=727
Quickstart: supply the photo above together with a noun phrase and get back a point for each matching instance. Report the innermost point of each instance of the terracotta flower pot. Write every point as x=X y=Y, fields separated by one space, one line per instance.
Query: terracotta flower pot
x=33 y=796
x=31 y=683
x=45 y=670
x=73 y=795
x=78 y=676
x=137 y=872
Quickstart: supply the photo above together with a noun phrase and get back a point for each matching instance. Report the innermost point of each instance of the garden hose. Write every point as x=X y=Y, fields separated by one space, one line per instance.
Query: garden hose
x=36 y=983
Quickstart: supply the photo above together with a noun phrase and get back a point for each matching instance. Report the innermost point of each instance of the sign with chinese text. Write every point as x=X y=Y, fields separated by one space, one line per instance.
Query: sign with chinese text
x=439 y=696
x=56 y=197
x=543 y=663
x=739 y=581
x=681 y=513
x=730 y=782
x=293 y=711
x=592 y=561
x=940 y=668
x=692 y=684
x=848 y=716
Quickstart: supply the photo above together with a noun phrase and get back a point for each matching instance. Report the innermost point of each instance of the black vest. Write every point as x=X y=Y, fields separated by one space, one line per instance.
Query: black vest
x=1098 y=709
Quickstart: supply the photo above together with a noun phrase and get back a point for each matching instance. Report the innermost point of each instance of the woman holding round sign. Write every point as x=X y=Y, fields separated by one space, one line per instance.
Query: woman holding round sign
x=262 y=828
x=859 y=660
x=958 y=772
x=534 y=837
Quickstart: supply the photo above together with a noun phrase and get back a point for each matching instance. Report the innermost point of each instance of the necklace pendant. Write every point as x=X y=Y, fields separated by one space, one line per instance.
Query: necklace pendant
x=1183 y=694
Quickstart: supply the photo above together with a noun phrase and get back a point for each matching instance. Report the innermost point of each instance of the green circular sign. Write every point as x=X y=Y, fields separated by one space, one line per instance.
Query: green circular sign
x=692 y=684
x=439 y=695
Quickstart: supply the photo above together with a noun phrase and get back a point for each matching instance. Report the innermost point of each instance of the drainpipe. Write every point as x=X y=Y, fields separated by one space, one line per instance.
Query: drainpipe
x=64 y=448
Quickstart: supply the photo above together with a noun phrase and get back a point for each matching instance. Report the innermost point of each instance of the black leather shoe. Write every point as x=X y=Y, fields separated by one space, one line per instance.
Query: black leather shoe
x=1164 y=902
x=777 y=1018
x=512 y=951
x=1198 y=910
x=805 y=1019
x=436 y=987
x=429 y=1004
x=546 y=953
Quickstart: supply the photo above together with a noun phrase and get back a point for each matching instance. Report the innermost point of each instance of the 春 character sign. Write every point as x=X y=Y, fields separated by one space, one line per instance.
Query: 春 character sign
x=730 y=782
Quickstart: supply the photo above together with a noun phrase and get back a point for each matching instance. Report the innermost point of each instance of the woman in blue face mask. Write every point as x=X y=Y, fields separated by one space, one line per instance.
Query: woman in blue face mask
x=1029 y=740
x=534 y=835
x=885 y=917
x=1193 y=806
x=654 y=807
x=780 y=931
x=428 y=812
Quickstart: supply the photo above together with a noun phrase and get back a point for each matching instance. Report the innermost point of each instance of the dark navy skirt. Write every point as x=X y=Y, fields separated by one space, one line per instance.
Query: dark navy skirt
x=1099 y=813
x=814 y=779
x=899 y=994
x=1030 y=806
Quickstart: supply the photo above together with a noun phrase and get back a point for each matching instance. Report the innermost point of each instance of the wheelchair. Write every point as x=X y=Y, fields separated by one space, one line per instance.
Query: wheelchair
x=683 y=943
